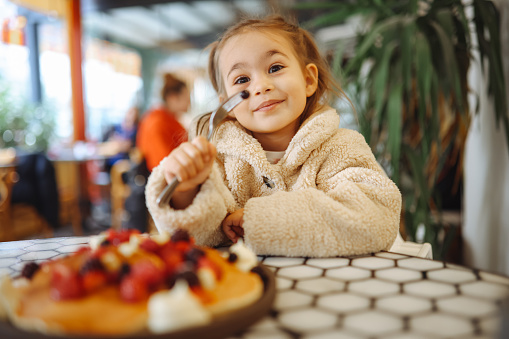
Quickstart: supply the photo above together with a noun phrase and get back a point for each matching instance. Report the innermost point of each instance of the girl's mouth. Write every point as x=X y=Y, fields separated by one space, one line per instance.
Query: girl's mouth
x=267 y=105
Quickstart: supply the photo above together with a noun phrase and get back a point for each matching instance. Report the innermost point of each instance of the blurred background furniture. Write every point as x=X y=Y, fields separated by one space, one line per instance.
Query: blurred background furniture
x=68 y=189
x=128 y=180
x=119 y=192
x=18 y=221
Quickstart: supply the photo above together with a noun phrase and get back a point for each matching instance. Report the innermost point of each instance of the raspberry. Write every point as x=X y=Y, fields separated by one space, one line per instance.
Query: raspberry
x=30 y=269
x=133 y=290
x=172 y=260
x=180 y=235
x=65 y=283
x=146 y=272
x=94 y=279
x=149 y=245
x=182 y=246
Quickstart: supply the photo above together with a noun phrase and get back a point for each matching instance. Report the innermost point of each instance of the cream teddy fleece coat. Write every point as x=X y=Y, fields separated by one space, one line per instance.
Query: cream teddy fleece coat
x=329 y=196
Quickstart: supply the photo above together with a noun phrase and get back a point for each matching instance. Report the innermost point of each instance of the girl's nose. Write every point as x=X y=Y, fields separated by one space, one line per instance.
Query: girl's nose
x=263 y=85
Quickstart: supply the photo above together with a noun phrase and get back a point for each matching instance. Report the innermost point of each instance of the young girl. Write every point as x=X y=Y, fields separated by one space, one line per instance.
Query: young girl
x=279 y=173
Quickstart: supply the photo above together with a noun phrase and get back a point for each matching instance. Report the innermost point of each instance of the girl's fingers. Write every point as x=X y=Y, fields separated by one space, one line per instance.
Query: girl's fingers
x=229 y=233
x=202 y=146
x=239 y=231
x=184 y=168
x=212 y=151
x=194 y=156
x=191 y=162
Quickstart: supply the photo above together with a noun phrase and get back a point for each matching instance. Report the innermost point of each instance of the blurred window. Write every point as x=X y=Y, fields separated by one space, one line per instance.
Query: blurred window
x=14 y=67
x=55 y=76
x=112 y=84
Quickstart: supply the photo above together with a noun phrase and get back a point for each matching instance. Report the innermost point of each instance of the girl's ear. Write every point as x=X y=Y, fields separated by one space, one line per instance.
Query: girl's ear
x=311 y=76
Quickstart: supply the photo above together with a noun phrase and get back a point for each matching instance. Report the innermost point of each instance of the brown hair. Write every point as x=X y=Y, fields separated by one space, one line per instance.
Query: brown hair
x=305 y=50
x=172 y=85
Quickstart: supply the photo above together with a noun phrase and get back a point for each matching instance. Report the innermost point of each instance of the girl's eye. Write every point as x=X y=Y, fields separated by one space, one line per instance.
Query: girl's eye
x=275 y=68
x=241 y=80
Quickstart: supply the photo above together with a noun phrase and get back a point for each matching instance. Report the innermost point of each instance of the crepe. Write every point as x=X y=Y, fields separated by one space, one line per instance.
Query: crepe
x=103 y=302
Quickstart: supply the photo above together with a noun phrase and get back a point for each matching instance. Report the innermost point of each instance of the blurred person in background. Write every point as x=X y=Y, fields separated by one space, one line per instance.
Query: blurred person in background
x=122 y=137
x=160 y=130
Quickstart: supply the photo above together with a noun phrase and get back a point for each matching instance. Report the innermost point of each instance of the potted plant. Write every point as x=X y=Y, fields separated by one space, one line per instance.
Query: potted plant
x=24 y=125
x=408 y=80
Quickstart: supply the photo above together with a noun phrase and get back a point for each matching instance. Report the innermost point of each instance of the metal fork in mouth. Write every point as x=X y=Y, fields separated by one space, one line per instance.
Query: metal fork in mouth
x=216 y=117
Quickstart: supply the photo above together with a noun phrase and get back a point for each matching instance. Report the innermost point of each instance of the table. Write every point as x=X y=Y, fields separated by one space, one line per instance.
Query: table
x=77 y=173
x=381 y=295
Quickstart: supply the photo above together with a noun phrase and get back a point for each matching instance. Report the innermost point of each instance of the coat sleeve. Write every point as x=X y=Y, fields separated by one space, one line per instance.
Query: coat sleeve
x=354 y=209
x=202 y=219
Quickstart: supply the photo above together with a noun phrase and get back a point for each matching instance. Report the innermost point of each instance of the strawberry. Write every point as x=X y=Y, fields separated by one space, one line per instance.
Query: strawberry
x=82 y=249
x=147 y=272
x=182 y=246
x=94 y=279
x=133 y=290
x=149 y=245
x=65 y=283
x=171 y=257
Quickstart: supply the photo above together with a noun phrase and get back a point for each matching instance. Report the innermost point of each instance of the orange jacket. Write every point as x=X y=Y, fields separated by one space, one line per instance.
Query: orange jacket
x=158 y=134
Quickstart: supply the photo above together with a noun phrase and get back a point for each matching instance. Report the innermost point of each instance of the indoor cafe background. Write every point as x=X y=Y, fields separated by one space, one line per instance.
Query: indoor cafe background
x=128 y=45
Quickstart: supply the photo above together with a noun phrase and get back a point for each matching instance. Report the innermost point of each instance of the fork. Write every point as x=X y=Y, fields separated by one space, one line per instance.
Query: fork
x=216 y=117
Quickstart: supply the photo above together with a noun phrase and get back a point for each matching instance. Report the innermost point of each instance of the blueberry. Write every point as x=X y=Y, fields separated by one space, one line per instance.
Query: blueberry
x=92 y=264
x=125 y=269
x=29 y=269
x=232 y=257
x=180 y=235
x=194 y=255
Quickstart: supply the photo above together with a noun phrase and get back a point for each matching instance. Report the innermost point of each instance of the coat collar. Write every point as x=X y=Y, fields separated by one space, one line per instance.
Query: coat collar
x=234 y=141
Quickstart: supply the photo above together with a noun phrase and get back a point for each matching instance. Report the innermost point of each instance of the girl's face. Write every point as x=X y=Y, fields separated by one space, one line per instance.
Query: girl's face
x=266 y=66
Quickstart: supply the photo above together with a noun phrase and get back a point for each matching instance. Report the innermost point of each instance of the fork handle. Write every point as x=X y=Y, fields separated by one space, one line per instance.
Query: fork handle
x=164 y=197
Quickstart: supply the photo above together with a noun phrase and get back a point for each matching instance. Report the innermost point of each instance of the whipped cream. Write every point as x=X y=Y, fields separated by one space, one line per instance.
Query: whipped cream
x=96 y=240
x=171 y=310
x=246 y=259
x=161 y=238
x=130 y=247
x=207 y=278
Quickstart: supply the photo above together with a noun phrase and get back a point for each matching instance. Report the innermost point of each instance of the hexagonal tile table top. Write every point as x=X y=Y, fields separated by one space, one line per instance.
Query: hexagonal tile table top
x=381 y=295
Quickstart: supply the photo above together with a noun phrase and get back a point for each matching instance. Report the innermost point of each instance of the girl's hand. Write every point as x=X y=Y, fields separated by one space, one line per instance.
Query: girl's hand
x=191 y=163
x=232 y=225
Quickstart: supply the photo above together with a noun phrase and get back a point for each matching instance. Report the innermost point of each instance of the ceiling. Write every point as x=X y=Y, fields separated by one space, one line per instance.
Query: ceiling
x=171 y=24
x=178 y=25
